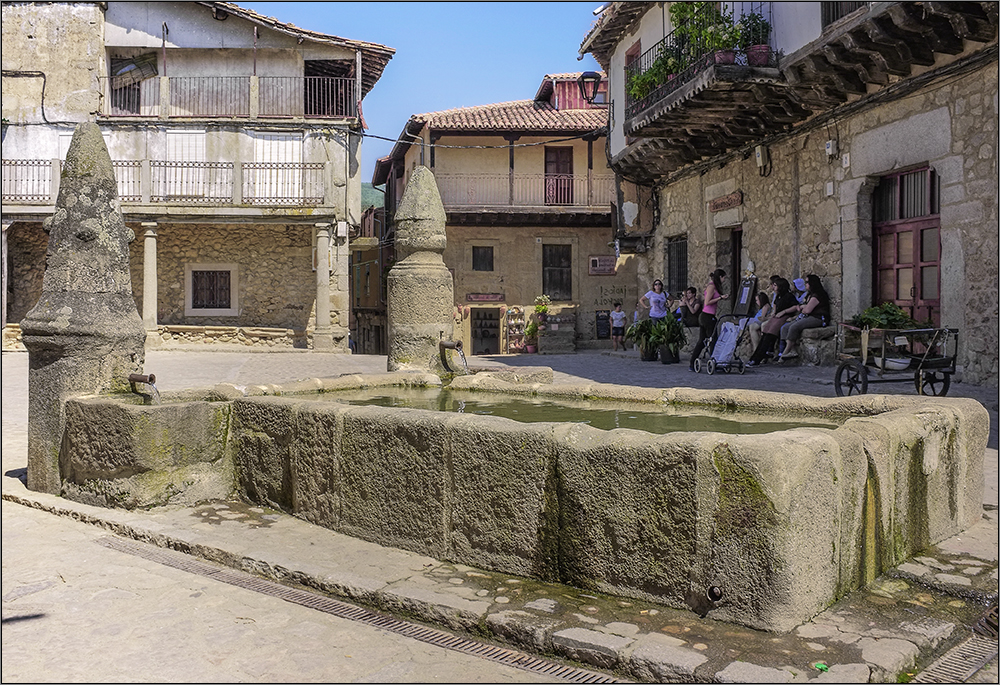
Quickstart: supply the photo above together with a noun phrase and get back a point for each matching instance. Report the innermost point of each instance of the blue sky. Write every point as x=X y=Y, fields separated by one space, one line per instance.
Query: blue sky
x=448 y=54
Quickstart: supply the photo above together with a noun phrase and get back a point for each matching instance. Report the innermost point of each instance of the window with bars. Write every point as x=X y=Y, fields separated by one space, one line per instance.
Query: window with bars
x=676 y=278
x=211 y=290
x=557 y=271
x=482 y=258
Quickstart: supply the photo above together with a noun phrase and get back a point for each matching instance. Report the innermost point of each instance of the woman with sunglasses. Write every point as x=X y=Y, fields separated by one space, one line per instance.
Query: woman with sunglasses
x=655 y=301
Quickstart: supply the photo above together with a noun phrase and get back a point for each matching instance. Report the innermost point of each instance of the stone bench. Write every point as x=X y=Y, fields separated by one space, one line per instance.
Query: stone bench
x=818 y=346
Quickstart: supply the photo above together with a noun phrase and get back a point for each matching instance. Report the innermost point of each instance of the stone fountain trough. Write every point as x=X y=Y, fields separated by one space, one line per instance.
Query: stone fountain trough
x=762 y=530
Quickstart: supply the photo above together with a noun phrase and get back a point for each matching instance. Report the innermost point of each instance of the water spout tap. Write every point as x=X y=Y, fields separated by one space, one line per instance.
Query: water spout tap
x=148 y=379
x=444 y=346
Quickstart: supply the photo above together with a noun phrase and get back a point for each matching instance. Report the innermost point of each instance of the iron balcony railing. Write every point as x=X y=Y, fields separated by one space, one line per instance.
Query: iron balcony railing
x=35 y=182
x=712 y=33
x=525 y=190
x=239 y=97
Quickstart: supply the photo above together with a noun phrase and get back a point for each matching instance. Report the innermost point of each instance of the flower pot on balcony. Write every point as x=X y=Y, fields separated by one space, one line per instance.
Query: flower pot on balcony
x=758 y=55
x=725 y=56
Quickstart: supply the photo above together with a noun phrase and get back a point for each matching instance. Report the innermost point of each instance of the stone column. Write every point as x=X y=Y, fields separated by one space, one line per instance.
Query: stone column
x=323 y=335
x=421 y=294
x=149 y=283
x=84 y=336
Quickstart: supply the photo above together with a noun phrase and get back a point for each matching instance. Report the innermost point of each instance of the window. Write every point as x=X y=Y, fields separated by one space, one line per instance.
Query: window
x=908 y=243
x=558 y=175
x=677 y=266
x=482 y=258
x=211 y=290
x=557 y=271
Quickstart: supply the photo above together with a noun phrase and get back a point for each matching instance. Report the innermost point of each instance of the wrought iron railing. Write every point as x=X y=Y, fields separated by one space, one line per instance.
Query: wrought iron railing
x=232 y=97
x=527 y=190
x=283 y=183
x=710 y=33
x=27 y=180
x=192 y=182
x=128 y=174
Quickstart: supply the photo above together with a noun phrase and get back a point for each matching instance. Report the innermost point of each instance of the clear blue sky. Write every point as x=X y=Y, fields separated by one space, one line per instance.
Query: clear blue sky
x=448 y=54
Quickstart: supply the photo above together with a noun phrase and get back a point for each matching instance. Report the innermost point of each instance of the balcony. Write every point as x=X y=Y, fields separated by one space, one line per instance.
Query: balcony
x=576 y=199
x=240 y=97
x=686 y=104
x=30 y=186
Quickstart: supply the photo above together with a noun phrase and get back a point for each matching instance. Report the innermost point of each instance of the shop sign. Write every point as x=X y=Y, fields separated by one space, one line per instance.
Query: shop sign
x=602 y=265
x=484 y=297
x=726 y=202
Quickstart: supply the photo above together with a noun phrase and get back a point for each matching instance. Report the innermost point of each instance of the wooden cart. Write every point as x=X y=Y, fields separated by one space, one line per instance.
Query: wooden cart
x=922 y=356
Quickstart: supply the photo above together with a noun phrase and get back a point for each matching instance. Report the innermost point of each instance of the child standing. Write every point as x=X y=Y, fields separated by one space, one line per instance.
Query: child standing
x=618 y=318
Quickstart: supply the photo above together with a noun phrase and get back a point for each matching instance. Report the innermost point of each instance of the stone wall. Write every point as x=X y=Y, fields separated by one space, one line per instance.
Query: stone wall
x=812 y=214
x=277 y=286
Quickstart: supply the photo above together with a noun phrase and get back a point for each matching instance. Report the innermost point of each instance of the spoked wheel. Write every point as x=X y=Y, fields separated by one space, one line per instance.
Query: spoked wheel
x=711 y=366
x=851 y=378
x=697 y=365
x=932 y=383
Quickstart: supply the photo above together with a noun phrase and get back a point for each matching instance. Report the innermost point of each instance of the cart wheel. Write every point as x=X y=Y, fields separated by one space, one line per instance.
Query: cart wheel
x=932 y=383
x=711 y=366
x=851 y=378
x=742 y=367
x=697 y=365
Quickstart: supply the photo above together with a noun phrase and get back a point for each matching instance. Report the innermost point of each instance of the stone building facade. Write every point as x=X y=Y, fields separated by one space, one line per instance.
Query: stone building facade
x=238 y=167
x=800 y=190
x=528 y=194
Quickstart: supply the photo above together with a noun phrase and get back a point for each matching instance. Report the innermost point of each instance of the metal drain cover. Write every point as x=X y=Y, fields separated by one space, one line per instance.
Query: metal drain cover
x=960 y=663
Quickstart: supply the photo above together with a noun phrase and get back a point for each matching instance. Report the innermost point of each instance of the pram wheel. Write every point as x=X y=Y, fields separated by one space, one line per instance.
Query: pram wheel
x=697 y=365
x=711 y=366
x=742 y=367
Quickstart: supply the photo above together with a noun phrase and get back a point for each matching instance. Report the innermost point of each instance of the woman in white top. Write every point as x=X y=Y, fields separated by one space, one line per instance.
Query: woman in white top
x=655 y=301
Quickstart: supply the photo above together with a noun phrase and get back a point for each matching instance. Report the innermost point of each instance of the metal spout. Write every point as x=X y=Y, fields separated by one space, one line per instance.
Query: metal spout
x=149 y=379
x=444 y=346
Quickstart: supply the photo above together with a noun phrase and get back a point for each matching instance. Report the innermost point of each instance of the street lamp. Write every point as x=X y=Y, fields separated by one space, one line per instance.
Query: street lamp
x=589 y=81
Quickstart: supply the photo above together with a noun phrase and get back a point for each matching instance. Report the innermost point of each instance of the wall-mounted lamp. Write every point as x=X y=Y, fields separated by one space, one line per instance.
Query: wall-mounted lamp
x=589 y=82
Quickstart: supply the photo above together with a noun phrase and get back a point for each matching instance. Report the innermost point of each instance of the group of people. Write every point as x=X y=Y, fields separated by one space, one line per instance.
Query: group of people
x=780 y=317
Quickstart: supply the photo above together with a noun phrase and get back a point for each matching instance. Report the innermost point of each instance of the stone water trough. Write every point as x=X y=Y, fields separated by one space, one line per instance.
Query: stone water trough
x=761 y=530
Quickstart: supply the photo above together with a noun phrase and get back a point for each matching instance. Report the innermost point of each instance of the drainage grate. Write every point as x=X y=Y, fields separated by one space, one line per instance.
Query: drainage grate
x=339 y=609
x=987 y=625
x=960 y=663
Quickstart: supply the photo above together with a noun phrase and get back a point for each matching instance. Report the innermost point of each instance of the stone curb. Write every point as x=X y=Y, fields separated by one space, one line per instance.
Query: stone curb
x=619 y=647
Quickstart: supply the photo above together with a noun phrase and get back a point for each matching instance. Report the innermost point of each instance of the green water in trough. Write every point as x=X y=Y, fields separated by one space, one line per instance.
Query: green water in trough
x=602 y=414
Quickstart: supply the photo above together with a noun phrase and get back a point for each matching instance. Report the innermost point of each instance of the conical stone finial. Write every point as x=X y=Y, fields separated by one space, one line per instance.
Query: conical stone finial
x=84 y=336
x=421 y=293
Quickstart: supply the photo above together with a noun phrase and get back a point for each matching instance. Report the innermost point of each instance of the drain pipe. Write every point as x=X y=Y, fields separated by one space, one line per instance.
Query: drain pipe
x=148 y=379
x=446 y=345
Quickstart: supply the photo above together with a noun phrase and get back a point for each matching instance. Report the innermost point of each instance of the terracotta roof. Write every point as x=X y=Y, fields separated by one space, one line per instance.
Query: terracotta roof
x=523 y=116
x=615 y=21
x=520 y=116
x=374 y=56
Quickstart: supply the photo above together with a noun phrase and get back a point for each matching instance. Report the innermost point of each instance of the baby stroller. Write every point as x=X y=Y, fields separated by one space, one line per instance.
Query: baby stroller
x=729 y=333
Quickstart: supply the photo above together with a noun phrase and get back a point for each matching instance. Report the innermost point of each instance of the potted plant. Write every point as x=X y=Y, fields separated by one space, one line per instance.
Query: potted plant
x=887 y=315
x=531 y=337
x=542 y=303
x=647 y=336
x=674 y=337
x=755 y=31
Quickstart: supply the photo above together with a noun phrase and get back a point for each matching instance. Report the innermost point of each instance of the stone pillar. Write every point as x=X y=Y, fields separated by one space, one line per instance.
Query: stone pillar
x=149 y=283
x=84 y=336
x=421 y=294
x=323 y=335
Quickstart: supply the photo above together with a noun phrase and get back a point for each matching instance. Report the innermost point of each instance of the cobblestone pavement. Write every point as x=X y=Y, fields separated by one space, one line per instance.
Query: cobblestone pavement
x=74 y=610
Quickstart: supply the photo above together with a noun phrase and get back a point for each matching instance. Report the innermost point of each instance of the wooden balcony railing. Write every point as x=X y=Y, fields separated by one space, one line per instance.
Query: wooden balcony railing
x=240 y=97
x=35 y=182
x=525 y=190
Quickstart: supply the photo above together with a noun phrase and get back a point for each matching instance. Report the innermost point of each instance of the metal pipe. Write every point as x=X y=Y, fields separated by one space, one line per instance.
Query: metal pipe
x=148 y=379
x=444 y=346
